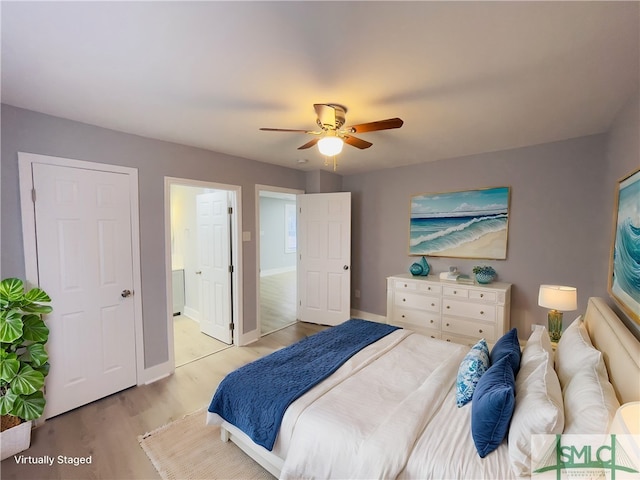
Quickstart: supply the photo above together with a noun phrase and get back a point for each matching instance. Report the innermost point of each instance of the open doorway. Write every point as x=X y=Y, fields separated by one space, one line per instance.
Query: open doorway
x=277 y=245
x=203 y=238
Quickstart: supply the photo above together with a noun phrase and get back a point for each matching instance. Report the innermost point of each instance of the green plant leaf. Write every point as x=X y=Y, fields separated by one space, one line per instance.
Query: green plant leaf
x=9 y=367
x=10 y=326
x=6 y=402
x=37 y=295
x=27 y=381
x=11 y=290
x=29 y=407
x=36 y=308
x=34 y=329
x=35 y=354
x=43 y=369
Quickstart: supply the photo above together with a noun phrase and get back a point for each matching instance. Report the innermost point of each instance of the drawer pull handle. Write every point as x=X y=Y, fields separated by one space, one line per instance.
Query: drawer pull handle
x=404 y=299
x=455 y=292
x=448 y=306
x=481 y=312
x=403 y=316
x=405 y=285
x=431 y=321
x=480 y=331
x=433 y=304
x=447 y=324
x=448 y=340
x=481 y=295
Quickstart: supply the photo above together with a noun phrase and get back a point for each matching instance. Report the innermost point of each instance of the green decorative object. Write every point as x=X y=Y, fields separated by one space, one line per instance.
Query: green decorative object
x=484 y=273
x=24 y=360
x=420 y=268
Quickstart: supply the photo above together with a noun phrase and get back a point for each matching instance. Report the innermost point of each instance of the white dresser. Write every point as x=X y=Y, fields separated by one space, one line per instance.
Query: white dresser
x=451 y=311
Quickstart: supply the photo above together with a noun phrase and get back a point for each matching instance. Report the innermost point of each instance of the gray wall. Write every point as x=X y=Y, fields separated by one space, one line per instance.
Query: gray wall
x=27 y=131
x=272 y=235
x=623 y=158
x=560 y=219
x=554 y=220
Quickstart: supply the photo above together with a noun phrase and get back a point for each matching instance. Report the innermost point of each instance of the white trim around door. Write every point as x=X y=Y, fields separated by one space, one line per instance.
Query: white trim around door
x=25 y=169
x=236 y=256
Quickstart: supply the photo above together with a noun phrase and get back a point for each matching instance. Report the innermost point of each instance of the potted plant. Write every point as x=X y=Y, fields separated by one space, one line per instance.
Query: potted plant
x=484 y=273
x=23 y=362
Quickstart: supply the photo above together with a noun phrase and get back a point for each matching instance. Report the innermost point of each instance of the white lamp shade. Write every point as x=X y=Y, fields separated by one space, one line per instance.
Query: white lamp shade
x=330 y=145
x=558 y=297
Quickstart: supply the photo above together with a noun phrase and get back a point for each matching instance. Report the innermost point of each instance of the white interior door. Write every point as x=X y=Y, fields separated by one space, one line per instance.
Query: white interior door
x=84 y=245
x=214 y=258
x=324 y=246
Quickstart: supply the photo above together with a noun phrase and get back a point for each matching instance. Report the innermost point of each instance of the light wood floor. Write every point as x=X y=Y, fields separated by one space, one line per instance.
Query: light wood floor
x=107 y=430
x=277 y=301
x=190 y=343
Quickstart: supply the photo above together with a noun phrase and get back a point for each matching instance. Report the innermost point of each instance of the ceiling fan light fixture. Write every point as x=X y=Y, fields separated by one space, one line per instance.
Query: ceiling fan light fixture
x=330 y=145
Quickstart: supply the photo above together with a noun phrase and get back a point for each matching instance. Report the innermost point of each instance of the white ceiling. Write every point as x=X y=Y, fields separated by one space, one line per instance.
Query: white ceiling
x=466 y=77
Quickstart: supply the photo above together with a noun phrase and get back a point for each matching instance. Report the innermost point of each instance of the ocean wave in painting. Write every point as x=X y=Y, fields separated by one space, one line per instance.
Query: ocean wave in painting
x=429 y=235
x=626 y=260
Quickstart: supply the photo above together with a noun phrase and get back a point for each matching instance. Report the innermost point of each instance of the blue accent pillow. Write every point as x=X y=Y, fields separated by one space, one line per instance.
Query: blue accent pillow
x=492 y=408
x=507 y=345
x=473 y=366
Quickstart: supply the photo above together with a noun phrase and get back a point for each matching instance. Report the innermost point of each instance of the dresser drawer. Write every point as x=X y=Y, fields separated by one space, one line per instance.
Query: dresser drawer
x=416 y=318
x=470 y=310
x=455 y=292
x=429 y=289
x=413 y=300
x=406 y=286
x=469 y=328
x=489 y=297
x=468 y=341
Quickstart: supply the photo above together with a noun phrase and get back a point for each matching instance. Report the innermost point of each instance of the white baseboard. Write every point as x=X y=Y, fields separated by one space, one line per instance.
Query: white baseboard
x=155 y=373
x=191 y=313
x=368 y=316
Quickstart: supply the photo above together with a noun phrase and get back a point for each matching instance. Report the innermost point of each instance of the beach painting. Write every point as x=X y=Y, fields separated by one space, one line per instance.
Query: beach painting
x=624 y=278
x=466 y=224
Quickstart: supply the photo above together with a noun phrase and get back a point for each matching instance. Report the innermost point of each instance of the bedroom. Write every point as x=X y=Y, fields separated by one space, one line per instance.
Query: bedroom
x=562 y=188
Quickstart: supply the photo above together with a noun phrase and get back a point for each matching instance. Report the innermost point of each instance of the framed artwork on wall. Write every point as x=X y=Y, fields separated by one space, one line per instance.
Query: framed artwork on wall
x=624 y=263
x=465 y=224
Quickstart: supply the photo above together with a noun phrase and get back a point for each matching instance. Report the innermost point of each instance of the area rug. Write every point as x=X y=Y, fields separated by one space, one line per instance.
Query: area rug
x=189 y=449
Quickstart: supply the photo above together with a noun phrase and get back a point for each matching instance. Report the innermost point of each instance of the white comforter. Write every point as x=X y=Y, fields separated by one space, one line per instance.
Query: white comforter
x=389 y=412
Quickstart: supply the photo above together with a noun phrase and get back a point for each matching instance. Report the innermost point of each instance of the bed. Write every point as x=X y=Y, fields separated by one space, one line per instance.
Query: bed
x=406 y=406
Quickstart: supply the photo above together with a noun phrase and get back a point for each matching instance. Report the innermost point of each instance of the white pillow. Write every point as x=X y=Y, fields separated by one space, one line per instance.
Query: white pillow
x=575 y=352
x=590 y=402
x=539 y=408
x=538 y=345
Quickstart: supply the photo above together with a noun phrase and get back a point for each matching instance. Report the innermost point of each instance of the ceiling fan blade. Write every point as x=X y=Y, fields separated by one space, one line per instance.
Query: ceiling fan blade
x=356 y=142
x=373 y=126
x=286 y=130
x=309 y=144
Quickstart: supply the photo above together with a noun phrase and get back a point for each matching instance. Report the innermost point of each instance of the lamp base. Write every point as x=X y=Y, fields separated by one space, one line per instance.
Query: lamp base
x=555 y=325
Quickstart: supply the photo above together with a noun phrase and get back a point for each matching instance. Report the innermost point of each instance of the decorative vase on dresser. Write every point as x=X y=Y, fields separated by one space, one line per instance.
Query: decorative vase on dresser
x=447 y=310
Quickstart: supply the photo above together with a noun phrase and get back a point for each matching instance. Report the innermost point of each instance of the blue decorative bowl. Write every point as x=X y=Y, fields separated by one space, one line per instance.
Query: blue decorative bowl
x=484 y=277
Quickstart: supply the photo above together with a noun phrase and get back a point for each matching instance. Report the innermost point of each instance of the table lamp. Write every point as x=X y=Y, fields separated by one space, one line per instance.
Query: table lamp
x=558 y=298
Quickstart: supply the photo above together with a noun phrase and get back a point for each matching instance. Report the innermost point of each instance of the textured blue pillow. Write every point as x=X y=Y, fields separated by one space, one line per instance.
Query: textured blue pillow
x=473 y=366
x=508 y=344
x=492 y=406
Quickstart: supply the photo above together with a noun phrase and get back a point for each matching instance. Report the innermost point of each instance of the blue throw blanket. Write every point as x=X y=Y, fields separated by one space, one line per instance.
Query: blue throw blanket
x=255 y=397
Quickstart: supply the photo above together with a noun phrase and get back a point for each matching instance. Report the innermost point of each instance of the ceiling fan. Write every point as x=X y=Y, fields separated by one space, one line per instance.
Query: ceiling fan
x=331 y=136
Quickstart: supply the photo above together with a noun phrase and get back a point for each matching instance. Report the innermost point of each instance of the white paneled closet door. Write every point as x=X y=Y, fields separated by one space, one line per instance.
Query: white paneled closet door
x=84 y=245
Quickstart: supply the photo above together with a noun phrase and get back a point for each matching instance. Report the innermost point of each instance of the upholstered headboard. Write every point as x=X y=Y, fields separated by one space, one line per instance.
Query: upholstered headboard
x=620 y=348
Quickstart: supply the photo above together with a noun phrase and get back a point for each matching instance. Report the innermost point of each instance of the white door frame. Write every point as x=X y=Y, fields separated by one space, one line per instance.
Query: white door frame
x=264 y=188
x=25 y=162
x=236 y=256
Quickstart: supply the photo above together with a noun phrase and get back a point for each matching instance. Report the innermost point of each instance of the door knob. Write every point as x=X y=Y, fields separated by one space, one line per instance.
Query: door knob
x=199 y=272
x=346 y=267
x=126 y=293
